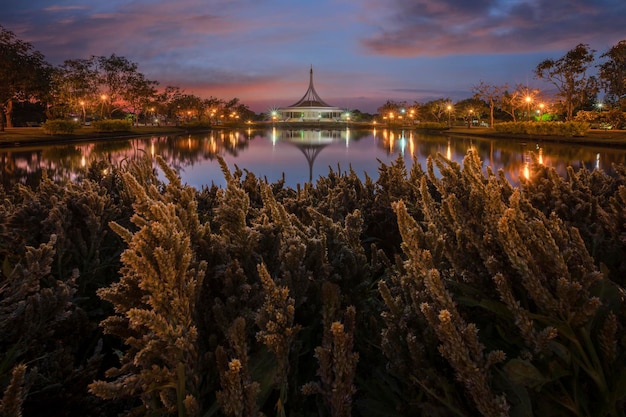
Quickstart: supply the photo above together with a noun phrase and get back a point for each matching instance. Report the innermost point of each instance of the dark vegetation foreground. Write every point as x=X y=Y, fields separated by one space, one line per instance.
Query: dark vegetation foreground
x=417 y=294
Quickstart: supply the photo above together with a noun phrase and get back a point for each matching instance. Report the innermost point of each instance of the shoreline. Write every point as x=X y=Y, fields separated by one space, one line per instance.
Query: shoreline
x=34 y=136
x=593 y=137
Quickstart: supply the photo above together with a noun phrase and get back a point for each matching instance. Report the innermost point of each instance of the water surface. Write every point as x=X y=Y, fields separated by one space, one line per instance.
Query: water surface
x=300 y=155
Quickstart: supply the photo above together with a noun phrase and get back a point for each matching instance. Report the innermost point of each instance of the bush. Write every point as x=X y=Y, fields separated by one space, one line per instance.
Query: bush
x=59 y=126
x=431 y=126
x=114 y=125
x=197 y=125
x=569 y=129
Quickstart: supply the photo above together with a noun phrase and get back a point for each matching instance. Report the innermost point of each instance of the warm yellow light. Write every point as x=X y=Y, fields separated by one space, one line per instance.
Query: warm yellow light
x=528 y=99
x=103 y=97
x=526 y=171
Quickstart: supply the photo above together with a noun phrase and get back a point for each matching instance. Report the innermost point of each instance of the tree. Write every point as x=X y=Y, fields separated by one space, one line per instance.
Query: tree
x=435 y=110
x=613 y=73
x=471 y=109
x=120 y=83
x=24 y=74
x=140 y=94
x=75 y=87
x=492 y=94
x=390 y=109
x=569 y=75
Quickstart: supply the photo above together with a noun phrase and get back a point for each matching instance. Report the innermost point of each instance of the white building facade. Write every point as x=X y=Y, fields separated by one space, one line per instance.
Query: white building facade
x=310 y=108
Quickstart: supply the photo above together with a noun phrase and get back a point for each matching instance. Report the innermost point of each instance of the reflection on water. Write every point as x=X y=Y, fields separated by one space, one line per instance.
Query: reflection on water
x=300 y=155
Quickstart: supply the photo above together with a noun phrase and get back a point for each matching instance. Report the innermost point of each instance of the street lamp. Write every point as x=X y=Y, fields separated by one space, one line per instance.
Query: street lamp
x=528 y=100
x=103 y=97
x=449 y=110
x=82 y=104
x=541 y=106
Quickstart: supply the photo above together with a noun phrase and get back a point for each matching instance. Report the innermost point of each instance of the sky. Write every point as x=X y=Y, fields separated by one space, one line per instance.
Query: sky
x=363 y=52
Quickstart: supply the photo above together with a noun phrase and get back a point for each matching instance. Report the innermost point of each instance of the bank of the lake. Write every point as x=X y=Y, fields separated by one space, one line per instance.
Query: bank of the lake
x=593 y=136
x=35 y=135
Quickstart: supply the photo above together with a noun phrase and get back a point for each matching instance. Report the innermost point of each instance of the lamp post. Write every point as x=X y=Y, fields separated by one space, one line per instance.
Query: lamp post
x=528 y=100
x=103 y=97
x=541 y=106
x=82 y=104
x=449 y=110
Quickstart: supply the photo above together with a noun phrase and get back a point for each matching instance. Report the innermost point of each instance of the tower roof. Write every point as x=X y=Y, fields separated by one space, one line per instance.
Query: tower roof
x=311 y=98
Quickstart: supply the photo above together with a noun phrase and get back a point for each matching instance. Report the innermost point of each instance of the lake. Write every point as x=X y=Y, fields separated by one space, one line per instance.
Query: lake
x=301 y=155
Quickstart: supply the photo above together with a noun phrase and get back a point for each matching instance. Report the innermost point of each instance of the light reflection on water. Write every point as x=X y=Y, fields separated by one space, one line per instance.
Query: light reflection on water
x=301 y=155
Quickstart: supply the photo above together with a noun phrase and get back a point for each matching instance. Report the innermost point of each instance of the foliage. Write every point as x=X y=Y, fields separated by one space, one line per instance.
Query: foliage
x=24 y=73
x=568 y=129
x=60 y=127
x=112 y=125
x=196 y=125
x=613 y=74
x=431 y=126
x=438 y=291
x=569 y=75
x=155 y=302
x=549 y=329
x=610 y=119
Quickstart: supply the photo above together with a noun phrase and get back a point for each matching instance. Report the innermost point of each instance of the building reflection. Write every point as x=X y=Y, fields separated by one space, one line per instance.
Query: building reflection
x=311 y=142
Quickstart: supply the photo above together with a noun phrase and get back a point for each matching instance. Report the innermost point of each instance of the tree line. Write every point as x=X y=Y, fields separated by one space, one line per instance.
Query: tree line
x=575 y=83
x=95 y=88
x=113 y=87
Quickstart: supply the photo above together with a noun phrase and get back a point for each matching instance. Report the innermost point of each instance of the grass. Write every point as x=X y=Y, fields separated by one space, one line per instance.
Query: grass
x=36 y=135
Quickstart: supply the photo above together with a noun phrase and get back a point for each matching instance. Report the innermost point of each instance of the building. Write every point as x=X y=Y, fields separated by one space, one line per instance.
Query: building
x=310 y=108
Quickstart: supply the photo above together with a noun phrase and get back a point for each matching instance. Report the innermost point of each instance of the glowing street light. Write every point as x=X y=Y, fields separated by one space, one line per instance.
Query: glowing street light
x=104 y=98
x=82 y=104
x=449 y=111
x=528 y=100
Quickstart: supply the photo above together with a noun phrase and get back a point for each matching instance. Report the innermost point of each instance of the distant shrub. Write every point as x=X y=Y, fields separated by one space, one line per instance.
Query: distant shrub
x=59 y=126
x=577 y=128
x=197 y=125
x=431 y=126
x=114 y=125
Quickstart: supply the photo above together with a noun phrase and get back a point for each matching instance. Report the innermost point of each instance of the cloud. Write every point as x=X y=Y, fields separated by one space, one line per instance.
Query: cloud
x=450 y=27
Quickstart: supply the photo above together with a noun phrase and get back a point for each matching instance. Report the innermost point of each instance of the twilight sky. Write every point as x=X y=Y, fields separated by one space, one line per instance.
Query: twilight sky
x=363 y=52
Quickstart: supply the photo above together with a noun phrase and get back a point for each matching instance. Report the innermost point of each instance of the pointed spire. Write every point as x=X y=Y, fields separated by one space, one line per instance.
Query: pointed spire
x=311 y=98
